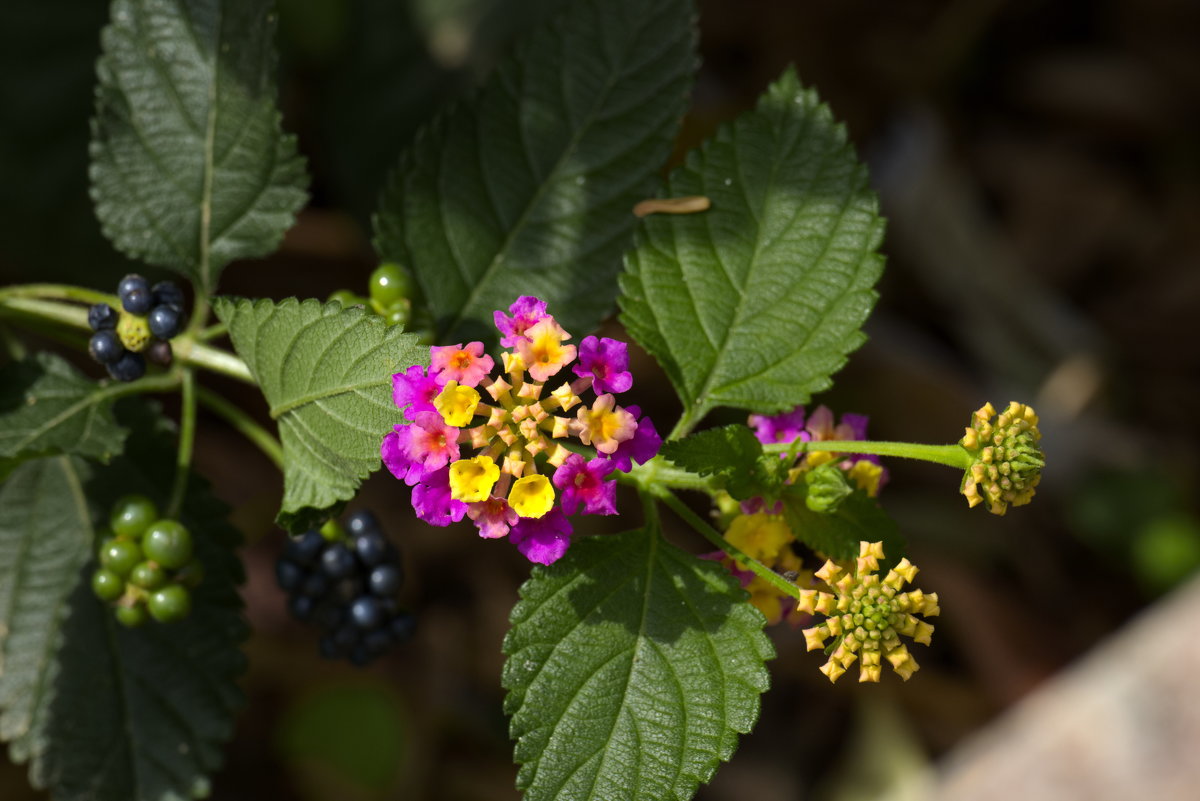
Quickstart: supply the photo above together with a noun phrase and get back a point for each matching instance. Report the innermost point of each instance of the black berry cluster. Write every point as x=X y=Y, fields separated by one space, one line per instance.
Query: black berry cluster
x=146 y=564
x=149 y=317
x=347 y=581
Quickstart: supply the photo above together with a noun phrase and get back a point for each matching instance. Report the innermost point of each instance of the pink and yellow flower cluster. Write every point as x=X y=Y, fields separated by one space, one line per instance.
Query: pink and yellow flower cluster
x=491 y=449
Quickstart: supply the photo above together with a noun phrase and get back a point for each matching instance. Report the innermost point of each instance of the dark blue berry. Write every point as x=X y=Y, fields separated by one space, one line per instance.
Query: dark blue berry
x=402 y=626
x=301 y=606
x=166 y=322
x=167 y=293
x=129 y=367
x=137 y=301
x=160 y=353
x=289 y=575
x=131 y=282
x=305 y=549
x=330 y=616
x=315 y=586
x=105 y=346
x=337 y=561
x=102 y=317
x=385 y=580
x=365 y=612
x=361 y=522
x=347 y=589
x=372 y=548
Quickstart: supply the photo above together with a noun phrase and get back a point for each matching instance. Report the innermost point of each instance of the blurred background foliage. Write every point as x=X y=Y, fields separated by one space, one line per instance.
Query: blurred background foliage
x=1039 y=163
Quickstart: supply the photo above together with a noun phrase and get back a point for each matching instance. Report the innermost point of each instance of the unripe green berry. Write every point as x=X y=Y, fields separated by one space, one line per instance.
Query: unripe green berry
x=148 y=576
x=107 y=585
x=131 y=616
x=332 y=531
x=120 y=556
x=170 y=604
x=169 y=543
x=132 y=514
x=398 y=314
x=134 y=331
x=389 y=284
x=348 y=298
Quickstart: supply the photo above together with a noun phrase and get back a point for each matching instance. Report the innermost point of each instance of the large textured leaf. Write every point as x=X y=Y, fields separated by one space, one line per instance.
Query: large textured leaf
x=103 y=713
x=756 y=303
x=632 y=667
x=327 y=377
x=46 y=406
x=189 y=167
x=527 y=187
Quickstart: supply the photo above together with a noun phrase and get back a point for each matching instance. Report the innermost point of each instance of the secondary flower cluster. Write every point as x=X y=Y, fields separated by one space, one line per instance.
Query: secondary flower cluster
x=867 y=615
x=514 y=437
x=761 y=531
x=1008 y=460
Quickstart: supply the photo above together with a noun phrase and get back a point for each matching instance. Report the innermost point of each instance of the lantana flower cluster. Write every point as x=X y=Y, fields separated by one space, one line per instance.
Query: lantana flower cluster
x=760 y=530
x=867 y=615
x=491 y=448
x=1007 y=454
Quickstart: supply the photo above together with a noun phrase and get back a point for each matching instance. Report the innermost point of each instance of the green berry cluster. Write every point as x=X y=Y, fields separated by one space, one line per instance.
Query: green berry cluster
x=147 y=565
x=392 y=293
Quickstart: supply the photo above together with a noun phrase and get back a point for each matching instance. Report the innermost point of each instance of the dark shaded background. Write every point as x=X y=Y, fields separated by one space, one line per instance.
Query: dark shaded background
x=1040 y=169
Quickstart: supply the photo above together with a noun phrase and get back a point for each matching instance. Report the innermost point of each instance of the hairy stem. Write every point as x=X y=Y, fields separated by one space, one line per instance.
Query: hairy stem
x=712 y=535
x=59 y=292
x=187 y=440
x=950 y=455
x=243 y=424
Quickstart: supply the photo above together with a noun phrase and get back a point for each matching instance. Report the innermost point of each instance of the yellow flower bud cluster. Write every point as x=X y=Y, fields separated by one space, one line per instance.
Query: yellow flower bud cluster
x=1007 y=462
x=867 y=615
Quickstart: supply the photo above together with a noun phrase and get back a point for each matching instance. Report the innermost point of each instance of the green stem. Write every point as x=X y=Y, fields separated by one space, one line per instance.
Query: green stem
x=691 y=415
x=950 y=455
x=59 y=292
x=243 y=424
x=12 y=346
x=186 y=349
x=658 y=472
x=712 y=535
x=212 y=332
x=187 y=441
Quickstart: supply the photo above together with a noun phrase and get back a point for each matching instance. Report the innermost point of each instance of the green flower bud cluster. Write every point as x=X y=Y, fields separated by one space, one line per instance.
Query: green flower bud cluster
x=827 y=488
x=1007 y=460
x=147 y=565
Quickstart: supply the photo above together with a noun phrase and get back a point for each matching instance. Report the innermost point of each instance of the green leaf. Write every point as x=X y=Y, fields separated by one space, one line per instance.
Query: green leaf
x=527 y=186
x=731 y=452
x=757 y=302
x=632 y=667
x=189 y=167
x=102 y=712
x=837 y=534
x=45 y=538
x=48 y=407
x=327 y=377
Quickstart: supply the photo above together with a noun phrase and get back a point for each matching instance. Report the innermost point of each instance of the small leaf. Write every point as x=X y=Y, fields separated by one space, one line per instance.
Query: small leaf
x=48 y=407
x=189 y=167
x=837 y=534
x=632 y=667
x=756 y=303
x=731 y=452
x=327 y=377
x=104 y=713
x=527 y=187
